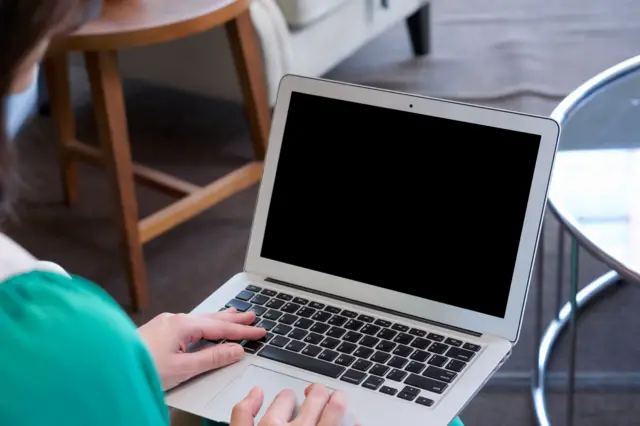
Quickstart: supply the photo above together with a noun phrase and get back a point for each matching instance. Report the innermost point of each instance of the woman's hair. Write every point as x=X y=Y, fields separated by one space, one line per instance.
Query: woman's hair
x=24 y=26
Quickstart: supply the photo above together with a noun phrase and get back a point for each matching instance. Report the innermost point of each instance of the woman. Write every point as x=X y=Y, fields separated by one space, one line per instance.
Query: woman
x=68 y=354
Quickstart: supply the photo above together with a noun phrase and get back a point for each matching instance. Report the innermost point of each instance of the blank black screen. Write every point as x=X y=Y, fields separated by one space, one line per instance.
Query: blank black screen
x=421 y=205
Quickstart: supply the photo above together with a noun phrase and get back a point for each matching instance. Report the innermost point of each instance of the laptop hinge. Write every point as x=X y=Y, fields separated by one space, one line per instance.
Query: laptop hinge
x=377 y=308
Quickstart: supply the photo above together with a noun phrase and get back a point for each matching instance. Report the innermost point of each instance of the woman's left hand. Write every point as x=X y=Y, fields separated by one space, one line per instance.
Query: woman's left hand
x=168 y=335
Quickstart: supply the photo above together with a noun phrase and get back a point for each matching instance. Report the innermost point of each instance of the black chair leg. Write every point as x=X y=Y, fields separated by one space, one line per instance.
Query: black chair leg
x=419 y=30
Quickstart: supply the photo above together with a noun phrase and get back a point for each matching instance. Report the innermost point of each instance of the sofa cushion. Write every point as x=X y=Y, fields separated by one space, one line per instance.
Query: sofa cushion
x=300 y=13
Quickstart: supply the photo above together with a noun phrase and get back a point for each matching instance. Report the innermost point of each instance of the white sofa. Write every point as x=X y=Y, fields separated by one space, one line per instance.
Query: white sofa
x=307 y=37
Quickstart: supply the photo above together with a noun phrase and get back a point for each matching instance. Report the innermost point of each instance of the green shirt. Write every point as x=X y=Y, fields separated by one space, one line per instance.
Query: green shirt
x=70 y=356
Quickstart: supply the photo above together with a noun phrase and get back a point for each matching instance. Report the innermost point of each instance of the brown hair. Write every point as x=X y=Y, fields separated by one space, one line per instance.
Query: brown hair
x=24 y=25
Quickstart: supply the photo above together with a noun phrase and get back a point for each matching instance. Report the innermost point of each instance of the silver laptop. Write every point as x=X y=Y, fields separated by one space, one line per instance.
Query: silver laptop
x=391 y=252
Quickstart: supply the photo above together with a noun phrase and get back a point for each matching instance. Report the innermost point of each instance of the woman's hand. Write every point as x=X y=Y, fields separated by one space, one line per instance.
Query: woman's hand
x=168 y=335
x=318 y=409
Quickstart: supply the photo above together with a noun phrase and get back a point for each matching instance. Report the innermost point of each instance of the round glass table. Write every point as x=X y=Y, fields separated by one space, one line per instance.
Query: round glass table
x=595 y=194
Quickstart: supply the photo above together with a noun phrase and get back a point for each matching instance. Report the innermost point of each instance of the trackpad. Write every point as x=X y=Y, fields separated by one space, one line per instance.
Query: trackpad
x=271 y=383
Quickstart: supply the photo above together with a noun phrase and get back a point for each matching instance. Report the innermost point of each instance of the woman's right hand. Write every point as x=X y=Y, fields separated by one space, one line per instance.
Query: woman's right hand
x=320 y=408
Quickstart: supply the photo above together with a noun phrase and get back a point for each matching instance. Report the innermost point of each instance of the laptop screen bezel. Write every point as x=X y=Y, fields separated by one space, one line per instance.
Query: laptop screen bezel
x=507 y=327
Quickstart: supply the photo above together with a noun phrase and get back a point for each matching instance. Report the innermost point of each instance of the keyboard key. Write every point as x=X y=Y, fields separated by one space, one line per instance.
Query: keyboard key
x=362 y=352
x=471 y=347
x=300 y=301
x=373 y=383
x=267 y=325
x=328 y=355
x=403 y=338
x=298 y=334
x=306 y=312
x=290 y=308
x=312 y=350
x=348 y=314
x=337 y=320
x=385 y=346
x=332 y=310
x=253 y=288
x=381 y=357
x=268 y=292
x=259 y=299
x=321 y=316
x=345 y=360
x=239 y=305
x=252 y=347
x=330 y=343
x=406 y=396
x=314 y=338
x=416 y=367
x=440 y=374
x=435 y=337
x=397 y=375
x=387 y=334
x=256 y=320
x=370 y=329
x=421 y=343
x=258 y=310
x=416 y=332
x=288 y=319
x=282 y=329
x=411 y=390
x=438 y=348
x=280 y=341
x=403 y=351
x=426 y=383
x=352 y=337
x=383 y=323
x=455 y=365
x=453 y=342
x=346 y=347
x=295 y=346
x=369 y=341
x=266 y=338
x=424 y=401
x=400 y=327
x=388 y=390
x=301 y=361
x=420 y=356
x=365 y=318
x=353 y=325
x=460 y=354
x=438 y=360
x=273 y=315
x=379 y=370
x=319 y=328
x=353 y=376
x=274 y=304
x=244 y=295
x=362 y=365
x=284 y=296
x=397 y=362
x=316 y=305
x=336 y=332
x=304 y=323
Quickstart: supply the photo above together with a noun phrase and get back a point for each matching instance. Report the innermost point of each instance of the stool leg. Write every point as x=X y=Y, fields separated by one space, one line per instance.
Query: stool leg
x=57 y=76
x=109 y=108
x=247 y=55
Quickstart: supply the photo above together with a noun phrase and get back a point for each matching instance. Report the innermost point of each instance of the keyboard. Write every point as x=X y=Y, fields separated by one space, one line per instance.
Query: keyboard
x=413 y=364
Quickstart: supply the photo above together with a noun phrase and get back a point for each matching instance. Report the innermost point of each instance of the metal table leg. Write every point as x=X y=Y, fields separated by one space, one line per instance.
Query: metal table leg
x=555 y=328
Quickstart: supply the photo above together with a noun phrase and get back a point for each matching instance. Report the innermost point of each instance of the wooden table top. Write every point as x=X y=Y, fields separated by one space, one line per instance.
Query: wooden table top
x=130 y=23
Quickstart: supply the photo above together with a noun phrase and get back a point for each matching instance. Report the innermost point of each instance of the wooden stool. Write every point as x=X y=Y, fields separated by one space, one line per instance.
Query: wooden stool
x=129 y=23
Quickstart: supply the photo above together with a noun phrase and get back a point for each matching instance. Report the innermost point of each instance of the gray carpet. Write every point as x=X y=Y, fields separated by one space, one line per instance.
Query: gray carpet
x=518 y=54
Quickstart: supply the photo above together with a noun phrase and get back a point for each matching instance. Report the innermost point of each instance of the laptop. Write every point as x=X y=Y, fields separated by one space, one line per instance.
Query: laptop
x=390 y=255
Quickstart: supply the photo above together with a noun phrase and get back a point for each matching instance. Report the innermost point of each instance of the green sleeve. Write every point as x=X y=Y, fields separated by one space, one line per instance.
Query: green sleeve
x=70 y=356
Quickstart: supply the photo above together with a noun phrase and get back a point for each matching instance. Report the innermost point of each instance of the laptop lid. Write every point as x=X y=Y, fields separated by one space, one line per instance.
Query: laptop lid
x=421 y=206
